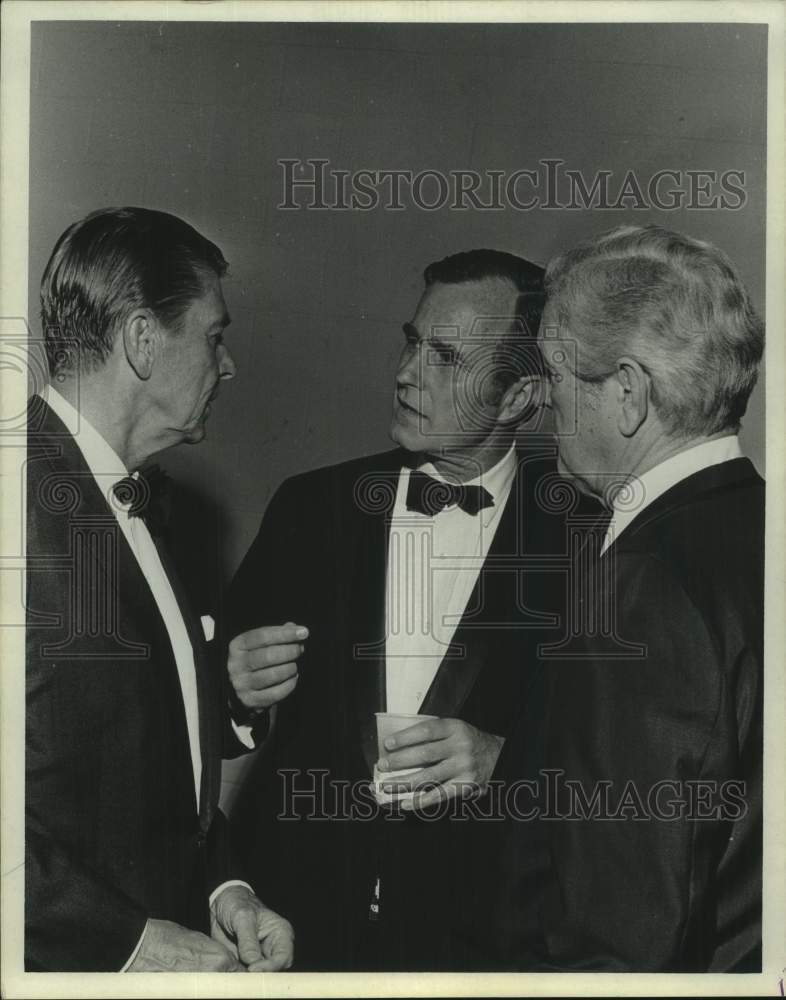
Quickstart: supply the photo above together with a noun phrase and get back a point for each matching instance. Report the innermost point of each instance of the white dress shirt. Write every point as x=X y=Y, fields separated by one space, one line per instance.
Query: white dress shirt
x=640 y=491
x=433 y=566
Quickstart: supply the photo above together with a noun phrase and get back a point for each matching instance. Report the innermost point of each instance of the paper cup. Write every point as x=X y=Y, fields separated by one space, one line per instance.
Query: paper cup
x=389 y=723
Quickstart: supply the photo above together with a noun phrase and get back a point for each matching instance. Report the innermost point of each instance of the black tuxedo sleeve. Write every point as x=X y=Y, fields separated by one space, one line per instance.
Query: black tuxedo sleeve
x=263 y=589
x=223 y=863
x=267 y=589
x=635 y=891
x=75 y=920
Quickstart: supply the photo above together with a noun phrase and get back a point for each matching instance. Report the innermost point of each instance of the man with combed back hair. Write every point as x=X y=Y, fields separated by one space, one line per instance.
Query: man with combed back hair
x=424 y=576
x=652 y=349
x=128 y=861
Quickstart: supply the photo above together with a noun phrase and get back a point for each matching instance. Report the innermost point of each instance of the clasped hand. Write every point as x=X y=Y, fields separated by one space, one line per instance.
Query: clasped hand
x=261 y=939
x=245 y=936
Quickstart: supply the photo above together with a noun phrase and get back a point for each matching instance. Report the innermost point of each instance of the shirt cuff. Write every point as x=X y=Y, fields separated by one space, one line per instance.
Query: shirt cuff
x=135 y=952
x=245 y=734
x=225 y=885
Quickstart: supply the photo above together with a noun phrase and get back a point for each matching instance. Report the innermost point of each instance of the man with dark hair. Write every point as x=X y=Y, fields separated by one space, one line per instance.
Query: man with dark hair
x=110 y=263
x=424 y=576
x=652 y=348
x=128 y=861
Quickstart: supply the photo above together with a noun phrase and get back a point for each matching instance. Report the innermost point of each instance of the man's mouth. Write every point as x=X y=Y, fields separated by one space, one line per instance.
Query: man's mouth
x=407 y=407
x=209 y=404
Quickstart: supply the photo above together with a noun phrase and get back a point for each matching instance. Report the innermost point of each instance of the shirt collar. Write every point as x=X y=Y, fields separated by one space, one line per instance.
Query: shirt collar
x=103 y=461
x=640 y=491
x=495 y=480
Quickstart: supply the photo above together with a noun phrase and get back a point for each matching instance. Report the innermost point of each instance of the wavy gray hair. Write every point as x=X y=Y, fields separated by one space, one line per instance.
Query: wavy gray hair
x=673 y=303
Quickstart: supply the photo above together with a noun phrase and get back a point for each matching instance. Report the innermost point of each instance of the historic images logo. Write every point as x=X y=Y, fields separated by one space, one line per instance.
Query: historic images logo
x=313 y=184
x=551 y=796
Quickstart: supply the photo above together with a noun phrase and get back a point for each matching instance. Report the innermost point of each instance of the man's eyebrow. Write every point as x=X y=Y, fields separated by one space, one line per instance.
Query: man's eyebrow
x=441 y=345
x=435 y=343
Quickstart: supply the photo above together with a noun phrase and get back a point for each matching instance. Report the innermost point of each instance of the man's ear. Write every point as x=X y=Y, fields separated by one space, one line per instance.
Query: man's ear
x=634 y=387
x=141 y=342
x=521 y=399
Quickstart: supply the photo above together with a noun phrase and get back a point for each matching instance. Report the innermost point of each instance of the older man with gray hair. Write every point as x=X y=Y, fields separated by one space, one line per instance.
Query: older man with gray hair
x=654 y=729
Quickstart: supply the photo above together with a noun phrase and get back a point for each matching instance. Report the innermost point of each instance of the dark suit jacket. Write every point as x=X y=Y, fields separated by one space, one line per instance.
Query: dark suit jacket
x=320 y=560
x=682 y=704
x=114 y=834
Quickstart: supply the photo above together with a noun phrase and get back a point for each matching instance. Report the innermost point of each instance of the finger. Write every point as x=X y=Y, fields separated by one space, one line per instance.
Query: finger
x=244 y=665
x=279 y=949
x=267 y=965
x=277 y=939
x=415 y=756
x=270 y=676
x=232 y=965
x=428 y=776
x=431 y=798
x=281 y=955
x=269 y=635
x=278 y=961
x=218 y=959
x=269 y=696
x=245 y=928
x=422 y=732
x=217 y=933
x=266 y=657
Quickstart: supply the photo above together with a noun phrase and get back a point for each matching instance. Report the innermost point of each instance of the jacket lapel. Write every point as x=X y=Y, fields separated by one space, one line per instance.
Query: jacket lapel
x=724 y=475
x=472 y=643
x=101 y=564
x=207 y=698
x=500 y=620
x=368 y=553
x=111 y=576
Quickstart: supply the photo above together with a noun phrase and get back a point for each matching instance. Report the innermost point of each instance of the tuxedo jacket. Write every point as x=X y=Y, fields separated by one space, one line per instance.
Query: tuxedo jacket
x=662 y=700
x=320 y=560
x=114 y=834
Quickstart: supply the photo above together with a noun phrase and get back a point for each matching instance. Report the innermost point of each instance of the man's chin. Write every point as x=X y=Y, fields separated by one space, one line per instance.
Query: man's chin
x=196 y=434
x=405 y=438
x=578 y=480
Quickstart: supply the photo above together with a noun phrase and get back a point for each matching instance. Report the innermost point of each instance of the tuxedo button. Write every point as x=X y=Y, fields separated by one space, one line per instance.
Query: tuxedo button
x=201 y=840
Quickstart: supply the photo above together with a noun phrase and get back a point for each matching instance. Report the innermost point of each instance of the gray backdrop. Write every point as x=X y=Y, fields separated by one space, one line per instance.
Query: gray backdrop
x=191 y=119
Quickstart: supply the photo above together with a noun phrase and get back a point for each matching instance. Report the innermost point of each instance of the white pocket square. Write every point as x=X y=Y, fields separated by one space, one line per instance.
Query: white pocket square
x=208 y=627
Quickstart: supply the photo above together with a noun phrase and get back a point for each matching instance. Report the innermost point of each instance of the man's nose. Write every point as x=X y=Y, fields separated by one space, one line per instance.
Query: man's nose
x=409 y=368
x=226 y=363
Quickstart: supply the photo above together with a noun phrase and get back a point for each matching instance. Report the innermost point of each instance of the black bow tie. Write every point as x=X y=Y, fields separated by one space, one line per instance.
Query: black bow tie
x=147 y=496
x=430 y=496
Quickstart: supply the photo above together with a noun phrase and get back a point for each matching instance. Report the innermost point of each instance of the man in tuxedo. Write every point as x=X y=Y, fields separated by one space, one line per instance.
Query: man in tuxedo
x=426 y=578
x=128 y=859
x=655 y=703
